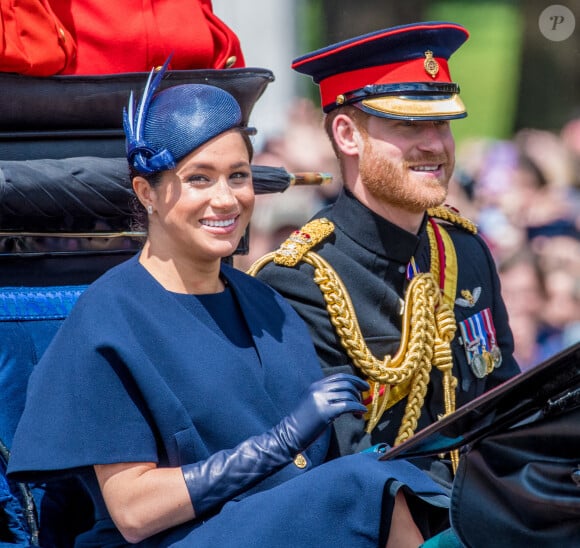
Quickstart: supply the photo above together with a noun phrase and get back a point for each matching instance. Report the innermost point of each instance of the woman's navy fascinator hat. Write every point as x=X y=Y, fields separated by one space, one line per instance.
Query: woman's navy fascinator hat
x=166 y=126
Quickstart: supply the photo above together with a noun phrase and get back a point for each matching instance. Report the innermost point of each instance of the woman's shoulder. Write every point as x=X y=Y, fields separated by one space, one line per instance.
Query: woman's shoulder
x=112 y=291
x=118 y=278
x=245 y=281
x=262 y=295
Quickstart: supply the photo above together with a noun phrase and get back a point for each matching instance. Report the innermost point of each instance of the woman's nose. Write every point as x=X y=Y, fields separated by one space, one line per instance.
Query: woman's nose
x=223 y=195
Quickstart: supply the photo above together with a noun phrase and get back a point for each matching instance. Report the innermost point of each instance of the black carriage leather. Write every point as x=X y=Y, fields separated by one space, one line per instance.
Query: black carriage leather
x=96 y=102
x=68 y=116
x=518 y=487
x=518 y=478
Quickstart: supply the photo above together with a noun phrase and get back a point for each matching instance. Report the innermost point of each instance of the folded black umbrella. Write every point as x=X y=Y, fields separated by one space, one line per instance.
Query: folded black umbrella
x=268 y=180
x=99 y=187
x=76 y=187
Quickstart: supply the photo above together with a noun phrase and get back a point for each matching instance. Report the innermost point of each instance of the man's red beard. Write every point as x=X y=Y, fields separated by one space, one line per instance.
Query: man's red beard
x=390 y=183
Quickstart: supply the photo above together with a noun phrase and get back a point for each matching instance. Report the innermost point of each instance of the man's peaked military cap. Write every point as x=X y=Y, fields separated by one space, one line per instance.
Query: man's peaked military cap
x=400 y=72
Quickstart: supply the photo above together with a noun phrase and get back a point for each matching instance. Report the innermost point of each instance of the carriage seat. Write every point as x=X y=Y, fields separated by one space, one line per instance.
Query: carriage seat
x=29 y=318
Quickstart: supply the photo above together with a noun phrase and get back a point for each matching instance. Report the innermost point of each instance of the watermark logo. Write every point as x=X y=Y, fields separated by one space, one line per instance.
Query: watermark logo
x=557 y=23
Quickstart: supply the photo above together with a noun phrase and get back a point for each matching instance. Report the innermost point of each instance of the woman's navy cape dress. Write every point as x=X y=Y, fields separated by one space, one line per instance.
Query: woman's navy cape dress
x=135 y=376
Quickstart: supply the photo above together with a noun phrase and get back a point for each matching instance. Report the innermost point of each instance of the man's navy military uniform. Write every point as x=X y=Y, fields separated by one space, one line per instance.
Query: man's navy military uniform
x=419 y=315
x=371 y=256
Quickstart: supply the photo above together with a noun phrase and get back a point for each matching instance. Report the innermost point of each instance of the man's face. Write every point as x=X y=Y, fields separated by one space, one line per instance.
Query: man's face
x=407 y=164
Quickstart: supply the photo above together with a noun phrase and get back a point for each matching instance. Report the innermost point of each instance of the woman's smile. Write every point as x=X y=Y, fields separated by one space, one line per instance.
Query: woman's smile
x=221 y=225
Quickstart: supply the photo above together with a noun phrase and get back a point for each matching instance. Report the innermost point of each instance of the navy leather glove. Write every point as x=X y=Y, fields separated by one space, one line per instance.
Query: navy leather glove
x=325 y=400
x=229 y=472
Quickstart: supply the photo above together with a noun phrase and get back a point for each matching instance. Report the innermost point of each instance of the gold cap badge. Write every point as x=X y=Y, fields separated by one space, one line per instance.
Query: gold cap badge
x=430 y=64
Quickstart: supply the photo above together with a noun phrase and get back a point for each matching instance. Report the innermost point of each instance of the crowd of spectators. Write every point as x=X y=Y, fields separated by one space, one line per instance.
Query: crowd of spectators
x=523 y=193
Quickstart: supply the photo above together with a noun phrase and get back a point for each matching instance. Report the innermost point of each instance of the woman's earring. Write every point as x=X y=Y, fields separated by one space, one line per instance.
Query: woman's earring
x=150 y=209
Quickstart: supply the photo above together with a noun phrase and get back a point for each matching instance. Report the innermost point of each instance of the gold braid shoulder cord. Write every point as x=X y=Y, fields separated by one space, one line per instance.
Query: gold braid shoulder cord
x=428 y=325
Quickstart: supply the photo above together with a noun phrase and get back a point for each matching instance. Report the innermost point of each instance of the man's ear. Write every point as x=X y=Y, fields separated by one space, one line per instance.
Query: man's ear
x=347 y=136
x=143 y=190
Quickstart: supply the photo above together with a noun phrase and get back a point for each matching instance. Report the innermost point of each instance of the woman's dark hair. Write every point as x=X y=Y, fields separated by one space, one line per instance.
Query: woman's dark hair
x=139 y=221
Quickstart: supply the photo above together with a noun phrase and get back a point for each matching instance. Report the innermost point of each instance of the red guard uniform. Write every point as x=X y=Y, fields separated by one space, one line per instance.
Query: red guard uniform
x=134 y=35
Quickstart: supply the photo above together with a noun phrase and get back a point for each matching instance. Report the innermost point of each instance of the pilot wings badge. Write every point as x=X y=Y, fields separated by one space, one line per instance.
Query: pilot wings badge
x=468 y=299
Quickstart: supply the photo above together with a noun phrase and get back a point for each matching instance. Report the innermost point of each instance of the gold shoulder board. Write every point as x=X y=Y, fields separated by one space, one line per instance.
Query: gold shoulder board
x=301 y=241
x=451 y=215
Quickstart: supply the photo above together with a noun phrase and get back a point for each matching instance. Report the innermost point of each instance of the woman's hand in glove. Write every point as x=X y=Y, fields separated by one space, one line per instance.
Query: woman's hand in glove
x=323 y=402
x=227 y=473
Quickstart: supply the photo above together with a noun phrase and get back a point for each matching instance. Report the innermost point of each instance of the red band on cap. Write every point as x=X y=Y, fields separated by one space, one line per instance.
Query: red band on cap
x=394 y=73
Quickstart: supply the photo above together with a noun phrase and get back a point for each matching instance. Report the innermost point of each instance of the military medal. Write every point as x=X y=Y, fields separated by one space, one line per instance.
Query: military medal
x=471 y=342
x=478 y=333
x=496 y=355
x=478 y=366
x=494 y=350
x=489 y=367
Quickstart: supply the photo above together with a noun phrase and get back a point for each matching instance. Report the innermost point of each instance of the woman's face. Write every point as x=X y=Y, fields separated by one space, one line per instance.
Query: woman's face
x=202 y=208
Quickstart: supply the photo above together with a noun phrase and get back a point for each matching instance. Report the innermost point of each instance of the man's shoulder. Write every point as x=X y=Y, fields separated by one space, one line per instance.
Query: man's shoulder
x=450 y=216
x=296 y=250
x=285 y=279
x=463 y=231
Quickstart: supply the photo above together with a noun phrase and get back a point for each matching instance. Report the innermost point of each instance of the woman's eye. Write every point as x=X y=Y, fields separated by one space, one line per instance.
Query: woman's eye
x=240 y=176
x=236 y=177
x=197 y=179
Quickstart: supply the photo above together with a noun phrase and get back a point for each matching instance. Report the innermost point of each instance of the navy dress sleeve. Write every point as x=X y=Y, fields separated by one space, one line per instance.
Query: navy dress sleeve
x=81 y=407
